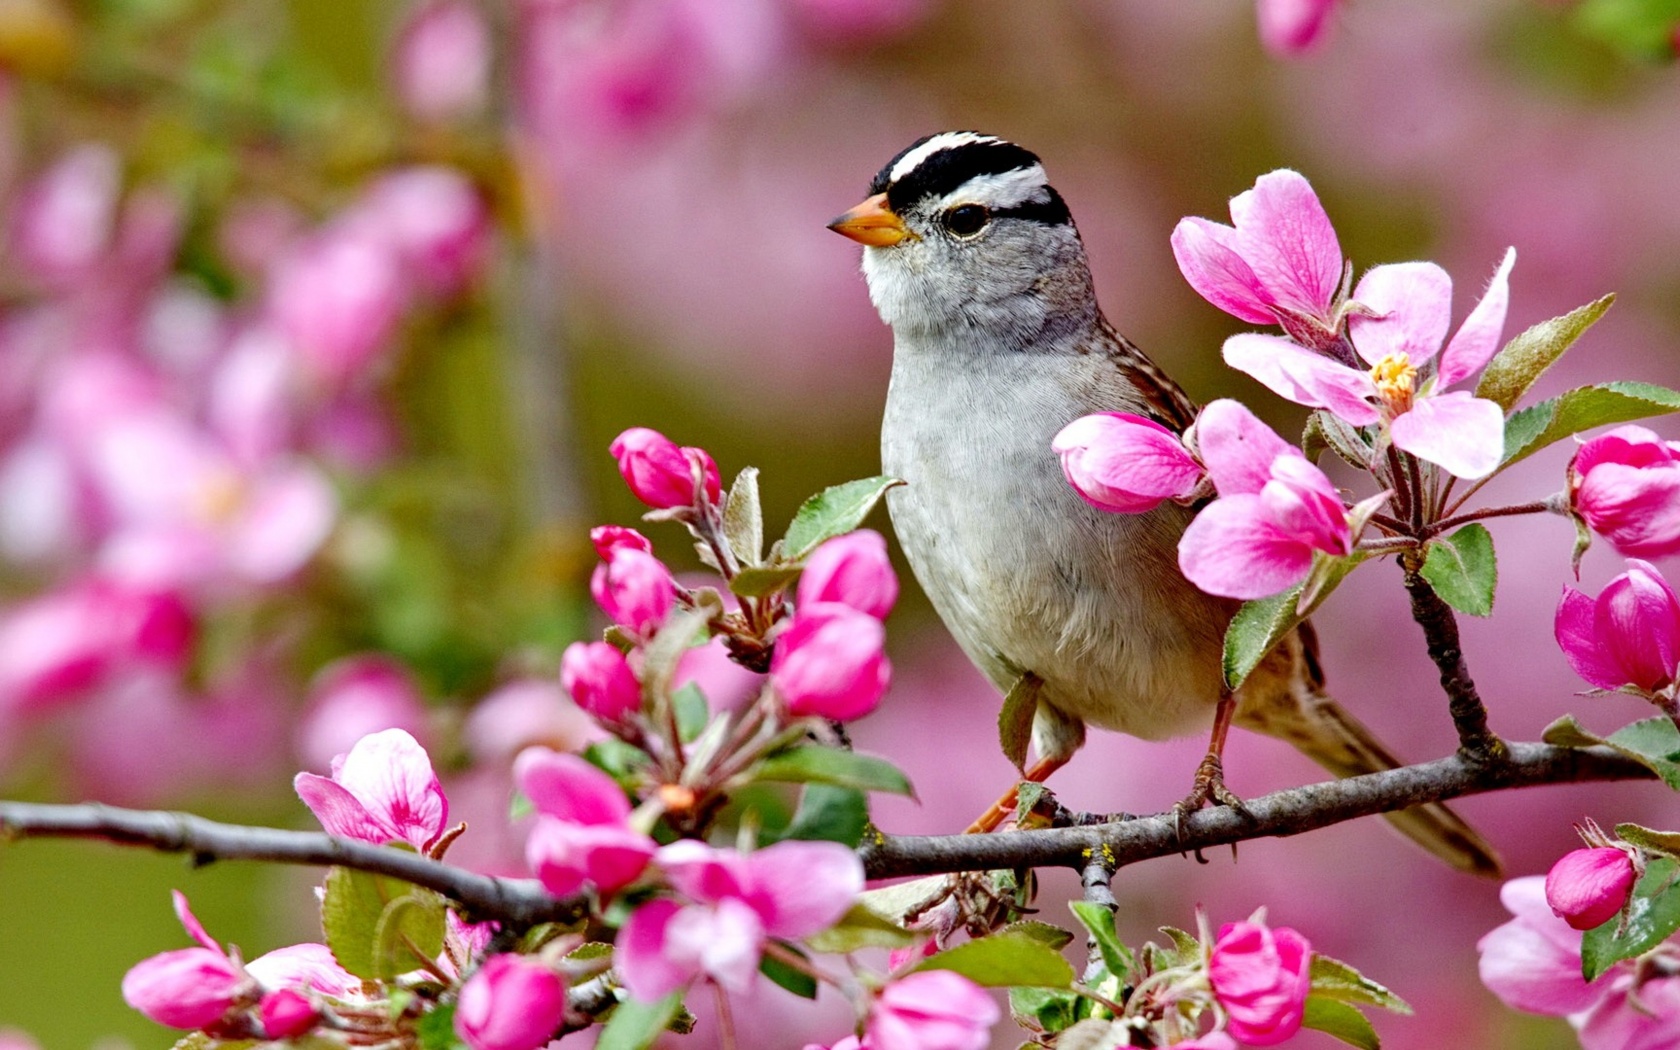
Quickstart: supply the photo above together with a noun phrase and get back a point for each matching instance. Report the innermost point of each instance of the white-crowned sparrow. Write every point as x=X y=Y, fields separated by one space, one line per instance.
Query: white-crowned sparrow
x=972 y=258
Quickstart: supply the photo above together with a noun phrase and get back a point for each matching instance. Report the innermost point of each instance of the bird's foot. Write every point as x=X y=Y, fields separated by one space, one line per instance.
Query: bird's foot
x=1009 y=806
x=1208 y=787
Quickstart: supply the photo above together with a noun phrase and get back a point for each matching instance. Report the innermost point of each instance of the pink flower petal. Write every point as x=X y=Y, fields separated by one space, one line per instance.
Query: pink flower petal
x=1477 y=339
x=1413 y=307
x=1304 y=377
x=1457 y=430
x=569 y=788
x=1230 y=550
x=1124 y=463
x=307 y=965
x=392 y=775
x=1284 y=233
x=640 y=958
x=1636 y=509
x=801 y=888
x=1648 y=1019
x=340 y=812
x=1289 y=29
x=1577 y=636
x=189 y=921
x=1208 y=258
x=1237 y=447
x=1533 y=962
x=283 y=523
x=726 y=940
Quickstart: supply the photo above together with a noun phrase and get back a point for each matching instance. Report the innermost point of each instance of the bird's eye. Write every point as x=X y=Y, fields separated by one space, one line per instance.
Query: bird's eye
x=966 y=220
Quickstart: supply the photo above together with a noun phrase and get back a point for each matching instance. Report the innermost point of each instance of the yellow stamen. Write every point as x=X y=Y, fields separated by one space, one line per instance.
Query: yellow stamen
x=1396 y=380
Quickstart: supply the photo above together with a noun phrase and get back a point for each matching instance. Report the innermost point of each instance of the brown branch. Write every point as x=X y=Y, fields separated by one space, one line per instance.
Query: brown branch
x=1476 y=741
x=1281 y=813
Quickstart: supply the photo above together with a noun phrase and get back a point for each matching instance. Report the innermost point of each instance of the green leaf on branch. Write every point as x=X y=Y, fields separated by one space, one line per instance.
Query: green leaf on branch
x=760 y=580
x=436 y=1029
x=833 y=512
x=791 y=978
x=1525 y=358
x=813 y=763
x=1049 y=1010
x=1099 y=922
x=828 y=813
x=692 y=713
x=635 y=1025
x=1261 y=624
x=1652 y=742
x=1583 y=408
x=743 y=518
x=1326 y=432
x=1650 y=839
x=860 y=927
x=1042 y=932
x=1005 y=959
x=1653 y=913
x=1334 y=979
x=1336 y=1018
x=1566 y=732
x=1015 y=719
x=409 y=934
x=352 y=910
x=1462 y=569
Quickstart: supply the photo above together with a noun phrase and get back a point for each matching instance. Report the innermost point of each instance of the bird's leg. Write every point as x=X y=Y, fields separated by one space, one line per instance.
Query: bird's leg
x=1004 y=808
x=1209 y=785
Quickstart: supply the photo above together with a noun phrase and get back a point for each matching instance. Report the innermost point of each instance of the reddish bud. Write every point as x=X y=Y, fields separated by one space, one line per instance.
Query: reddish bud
x=600 y=680
x=634 y=588
x=660 y=472
x=286 y=1014
x=512 y=1003
x=829 y=662
x=853 y=570
x=1588 y=886
x=1259 y=976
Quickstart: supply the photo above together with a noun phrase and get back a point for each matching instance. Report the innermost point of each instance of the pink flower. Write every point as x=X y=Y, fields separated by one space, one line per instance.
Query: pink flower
x=829 y=662
x=1125 y=463
x=1628 y=637
x=523 y=712
x=1586 y=887
x=1275 y=508
x=383 y=790
x=661 y=473
x=337 y=297
x=1259 y=976
x=634 y=588
x=286 y=1014
x=1533 y=962
x=600 y=680
x=308 y=967
x=1634 y=1015
x=1407 y=310
x=853 y=570
x=932 y=1010
x=513 y=1002
x=1626 y=485
x=1279 y=264
x=356 y=696
x=607 y=537
x=441 y=64
x=64 y=221
x=581 y=836
x=435 y=221
x=788 y=890
x=1291 y=28
x=189 y=987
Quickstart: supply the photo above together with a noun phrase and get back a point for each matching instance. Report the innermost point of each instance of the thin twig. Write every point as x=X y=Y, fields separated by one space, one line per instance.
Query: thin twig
x=1440 y=631
x=1539 y=506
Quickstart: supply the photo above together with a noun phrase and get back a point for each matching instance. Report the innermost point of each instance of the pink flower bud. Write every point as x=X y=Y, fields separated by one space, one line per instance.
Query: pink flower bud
x=607 y=537
x=600 y=680
x=661 y=473
x=1259 y=975
x=1587 y=887
x=932 y=1009
x=829 y=662
x=286 y=1014
x=513 y=1002
x=441 y=67
x=1628 y=636
x=1292 y=28
x=853 y=570
x=337 y=298
x=187 y=988
x=1125 y=463
x=1626 y=485
x=634 y=588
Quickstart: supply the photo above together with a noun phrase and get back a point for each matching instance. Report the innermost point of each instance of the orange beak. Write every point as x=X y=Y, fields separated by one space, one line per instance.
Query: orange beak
x=872 y=223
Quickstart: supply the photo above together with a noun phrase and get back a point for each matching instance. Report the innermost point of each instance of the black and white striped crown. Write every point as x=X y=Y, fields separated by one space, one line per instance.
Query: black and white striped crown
x=957 y=167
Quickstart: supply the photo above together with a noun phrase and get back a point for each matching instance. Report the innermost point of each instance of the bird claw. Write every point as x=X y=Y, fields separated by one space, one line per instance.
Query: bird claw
x=1208 y=787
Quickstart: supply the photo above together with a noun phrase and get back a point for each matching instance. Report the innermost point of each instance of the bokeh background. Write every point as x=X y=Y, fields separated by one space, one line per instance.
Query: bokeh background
x=316 y=319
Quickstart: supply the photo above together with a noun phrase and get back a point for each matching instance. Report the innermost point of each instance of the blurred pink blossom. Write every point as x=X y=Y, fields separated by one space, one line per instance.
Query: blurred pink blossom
x=1125 y=463
x=1533 y=962
x=829 y=662
x=433 y=218
x=355 y=697
x=256 y=231
x=337 y=296
x=64 y=221
x=383 y=790
x=1292 y=28
x=1259 y=976
x=1629 y=636
x=1626 y=484
x=1635 y=1015
x=440 y=65
x=852 y=570
x=512 y=1002
x=581 y=836
x=1586 y=887
x=524 y=712
x=931 y=1010
x=858 y=21
x=725 y=684
x=1209 y=1041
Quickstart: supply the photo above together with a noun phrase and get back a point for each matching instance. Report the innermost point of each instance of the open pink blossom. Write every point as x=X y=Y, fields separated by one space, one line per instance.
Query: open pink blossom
x=932 y=1010
x=1275 y=509
x=64 y=220
x=830 y=662
x=1279 y=264
x=582 y=836
x=188 y=987
x=435 y=221
x=1628 y=637
x=1259 y=976
x=383 y=790
x=1587 y=887
x=1533 y=962
x=853 y=570
x=1291 y=28
x=1407 y=311
x=662 y=473
x=1626 y=485
x=512 y=1002
x=1125 y=463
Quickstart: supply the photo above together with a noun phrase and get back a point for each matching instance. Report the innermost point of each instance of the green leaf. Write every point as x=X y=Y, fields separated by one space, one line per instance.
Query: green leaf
x=1653 y=913
x=436 y=1029
x=814 y=763
x=1334 y=979
x=634 y=1025
x=760 y=580
x=1462 y=569
x=1015 y=719
x=1655 y=743
x=616 y=758
x=1534 y=428
x=861 y=927
x=1566 y=732
x=1099 y=922
x=1326 y=432
x=1336 y=1018
x=200 y=1041
x=1185 y=946
x=409 y=934
x=794 y=980
x=692 y=713
x=910 y=897
x=1044 y=1009
x=681 y=631
x=1042 y=932
x=1641 y=29
x=351 y=911
x=1650 y=839
x=743 y=518
x=1259 y=625
x=828 y=813
x=833 y=512
x=1525 y=358
x=1004 y=960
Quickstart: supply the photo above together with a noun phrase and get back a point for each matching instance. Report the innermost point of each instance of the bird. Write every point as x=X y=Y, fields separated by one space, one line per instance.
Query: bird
x=973 y=260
